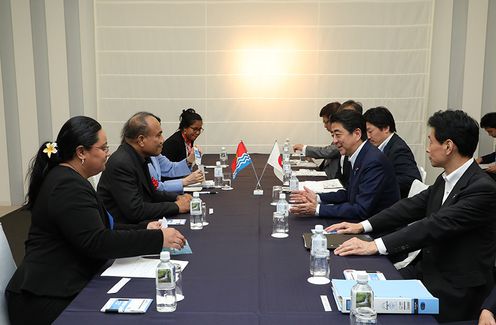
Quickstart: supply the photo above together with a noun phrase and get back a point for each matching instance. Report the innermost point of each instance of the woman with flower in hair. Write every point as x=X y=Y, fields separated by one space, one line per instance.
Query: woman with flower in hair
x=71 y=235
x=179 y=145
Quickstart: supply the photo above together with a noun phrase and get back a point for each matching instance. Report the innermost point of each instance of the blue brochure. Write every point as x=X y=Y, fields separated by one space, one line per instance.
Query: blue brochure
x=185 y=250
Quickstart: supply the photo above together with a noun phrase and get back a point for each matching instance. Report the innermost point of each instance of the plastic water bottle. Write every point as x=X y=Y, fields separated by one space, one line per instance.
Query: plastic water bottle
x=319 y=246
x=195 y=207
x=362 y=302
x=166 y=284
x=282 y=207
x=223 y=156
x=286 y=168
x=218 y=174
x=285 y=150
x=293 y=182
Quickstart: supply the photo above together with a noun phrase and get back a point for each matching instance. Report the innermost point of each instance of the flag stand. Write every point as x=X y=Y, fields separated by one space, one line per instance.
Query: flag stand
x=258 y=188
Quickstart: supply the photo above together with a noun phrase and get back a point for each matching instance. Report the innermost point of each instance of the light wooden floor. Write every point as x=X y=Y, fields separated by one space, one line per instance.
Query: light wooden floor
x=7 y=209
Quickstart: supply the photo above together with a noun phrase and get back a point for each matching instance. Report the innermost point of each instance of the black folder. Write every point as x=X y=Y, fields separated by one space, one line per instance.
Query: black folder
x=333 y=240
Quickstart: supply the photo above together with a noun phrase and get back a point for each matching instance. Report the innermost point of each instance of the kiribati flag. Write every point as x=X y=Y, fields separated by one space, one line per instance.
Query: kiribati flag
x=241 y=160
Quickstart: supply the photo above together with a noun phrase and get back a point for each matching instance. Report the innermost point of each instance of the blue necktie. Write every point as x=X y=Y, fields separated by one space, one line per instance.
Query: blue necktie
x=111 y=220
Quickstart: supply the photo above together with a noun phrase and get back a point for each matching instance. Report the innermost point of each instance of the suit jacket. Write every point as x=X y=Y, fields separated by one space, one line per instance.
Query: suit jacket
x=331 y=157
x=127 y=191
x=69 y=238
x=489 y=158
x=404 y=164
x=174 y=147
x=490 y=302
x=372 y=187
x=457 y=240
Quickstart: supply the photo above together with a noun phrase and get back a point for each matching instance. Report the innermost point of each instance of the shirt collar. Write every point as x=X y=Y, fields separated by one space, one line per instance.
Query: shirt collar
x=354 y=156
x=455 y=176
x=385 y=142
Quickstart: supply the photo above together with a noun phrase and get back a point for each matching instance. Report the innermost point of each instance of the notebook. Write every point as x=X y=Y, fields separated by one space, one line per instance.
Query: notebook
x=333 y=240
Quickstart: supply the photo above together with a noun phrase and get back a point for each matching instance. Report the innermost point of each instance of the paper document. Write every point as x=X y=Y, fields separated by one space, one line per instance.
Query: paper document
x=136 y=267
x=307 y=164
x=309 y=173
x=330 y=185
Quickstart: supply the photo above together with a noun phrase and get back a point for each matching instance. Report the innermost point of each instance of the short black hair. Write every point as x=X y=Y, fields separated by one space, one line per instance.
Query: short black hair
x=136 y=126
x=357 y=106
x=381 y=118
x=329 y=109
x=188 y=118
x=488 y=120
x=457 y=126
x=351 y=120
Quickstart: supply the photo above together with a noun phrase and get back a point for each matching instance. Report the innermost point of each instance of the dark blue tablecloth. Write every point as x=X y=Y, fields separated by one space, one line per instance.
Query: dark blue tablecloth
x=239 y=274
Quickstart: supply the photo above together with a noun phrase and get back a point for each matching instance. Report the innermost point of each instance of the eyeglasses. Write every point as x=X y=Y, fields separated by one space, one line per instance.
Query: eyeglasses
x=197 y=130
x=104 y=148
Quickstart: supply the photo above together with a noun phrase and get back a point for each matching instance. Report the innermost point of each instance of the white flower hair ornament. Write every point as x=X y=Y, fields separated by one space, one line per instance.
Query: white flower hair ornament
x=51 y=148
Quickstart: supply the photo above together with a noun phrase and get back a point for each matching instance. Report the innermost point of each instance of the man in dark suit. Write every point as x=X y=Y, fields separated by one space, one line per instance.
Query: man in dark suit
x=381 y=132
x=488 y=123
x=453 y=221
x=372 y=185
x=330 y=153
x=126 y=186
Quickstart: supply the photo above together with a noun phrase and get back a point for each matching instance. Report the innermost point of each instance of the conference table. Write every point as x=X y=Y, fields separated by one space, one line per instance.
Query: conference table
x=238 y=273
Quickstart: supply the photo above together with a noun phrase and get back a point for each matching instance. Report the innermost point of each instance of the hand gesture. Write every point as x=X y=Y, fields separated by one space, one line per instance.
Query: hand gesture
x=173 y=238
x=182 y=202
x=193 y=178
x=355 y=246
x=346 y=228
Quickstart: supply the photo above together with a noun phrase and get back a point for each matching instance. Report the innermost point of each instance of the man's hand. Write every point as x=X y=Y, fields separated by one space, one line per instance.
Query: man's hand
x=173 y=238
x=491 y=168
x=355 y=246
x=298 y=147
x=182 y=202
x=346 y=228
x=486 y=318
x=193 y=178
x=307 y=208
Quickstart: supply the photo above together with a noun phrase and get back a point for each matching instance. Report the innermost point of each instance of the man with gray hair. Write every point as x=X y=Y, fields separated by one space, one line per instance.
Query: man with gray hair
x=126 y=186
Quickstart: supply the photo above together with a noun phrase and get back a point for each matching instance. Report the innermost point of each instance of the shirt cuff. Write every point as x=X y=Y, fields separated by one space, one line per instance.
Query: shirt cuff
x=380 y=246
x=317 y=209
x=367 y=227
x=318 y=199
x=304 y=150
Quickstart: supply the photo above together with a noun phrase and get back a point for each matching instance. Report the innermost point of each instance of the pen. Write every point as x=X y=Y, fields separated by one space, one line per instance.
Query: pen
x=208 y=192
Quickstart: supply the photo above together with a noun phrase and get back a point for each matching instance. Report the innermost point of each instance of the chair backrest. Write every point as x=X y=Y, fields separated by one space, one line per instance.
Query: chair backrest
x=423 y=173
x=7 y=268
x=416 y=188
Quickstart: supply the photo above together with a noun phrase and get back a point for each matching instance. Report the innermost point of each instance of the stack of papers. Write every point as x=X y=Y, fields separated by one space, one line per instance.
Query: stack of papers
x=309 y=173
x=330 y=185
x=136 y=267
x=303 y=163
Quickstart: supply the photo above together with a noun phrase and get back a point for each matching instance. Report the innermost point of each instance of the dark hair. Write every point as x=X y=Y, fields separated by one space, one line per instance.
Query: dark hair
x=488 y=120
x=351 y=120
x=381 y=117
x=77 y=131
x=136 y=126
x=188 y=118
x=329 y=109
x=458 y=127
x=357 y=106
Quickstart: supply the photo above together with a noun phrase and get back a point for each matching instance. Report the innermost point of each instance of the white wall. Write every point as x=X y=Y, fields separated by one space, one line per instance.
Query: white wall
x=108 y=59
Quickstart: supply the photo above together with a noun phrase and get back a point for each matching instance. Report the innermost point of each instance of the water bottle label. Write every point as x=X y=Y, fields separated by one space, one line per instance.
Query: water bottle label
x=218 y=172
x=164 y=276
x=363 y=299
x=195 y=207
